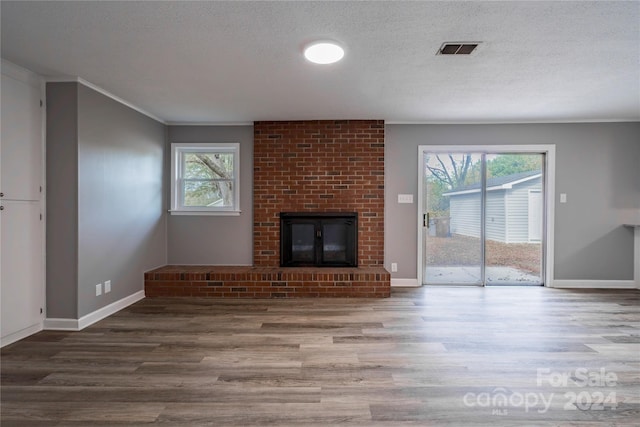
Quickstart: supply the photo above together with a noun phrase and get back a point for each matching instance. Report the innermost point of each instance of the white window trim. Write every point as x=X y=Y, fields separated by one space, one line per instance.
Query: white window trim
x=176 y=153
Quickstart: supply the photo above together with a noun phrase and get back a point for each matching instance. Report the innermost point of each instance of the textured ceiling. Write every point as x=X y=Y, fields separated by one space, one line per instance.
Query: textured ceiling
x=242 y=61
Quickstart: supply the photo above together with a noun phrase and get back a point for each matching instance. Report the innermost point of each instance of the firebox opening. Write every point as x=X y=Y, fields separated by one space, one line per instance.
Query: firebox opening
x=313 y=239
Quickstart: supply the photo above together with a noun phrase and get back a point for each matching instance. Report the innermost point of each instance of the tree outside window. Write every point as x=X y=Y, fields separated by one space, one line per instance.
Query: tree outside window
x=205 y=178
x=447 y=172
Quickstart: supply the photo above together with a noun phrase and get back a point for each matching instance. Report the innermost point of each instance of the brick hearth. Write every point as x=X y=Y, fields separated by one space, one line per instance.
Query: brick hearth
x=266 y=282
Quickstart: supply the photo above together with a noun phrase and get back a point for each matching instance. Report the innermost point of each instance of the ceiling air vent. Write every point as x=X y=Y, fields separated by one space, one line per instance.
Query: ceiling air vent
x=464 y=48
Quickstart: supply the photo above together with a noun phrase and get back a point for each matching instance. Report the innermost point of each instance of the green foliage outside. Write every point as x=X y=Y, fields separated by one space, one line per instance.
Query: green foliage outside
x=438 y=205
x=509 y=164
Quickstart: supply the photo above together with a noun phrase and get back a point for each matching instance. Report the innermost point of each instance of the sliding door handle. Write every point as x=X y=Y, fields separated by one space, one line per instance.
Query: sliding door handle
x=425 y=220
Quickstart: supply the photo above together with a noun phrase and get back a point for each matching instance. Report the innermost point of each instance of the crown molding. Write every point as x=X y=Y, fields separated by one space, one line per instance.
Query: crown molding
x=209 y=123
x=63 y=79
x=508 y=122
x=20 y=73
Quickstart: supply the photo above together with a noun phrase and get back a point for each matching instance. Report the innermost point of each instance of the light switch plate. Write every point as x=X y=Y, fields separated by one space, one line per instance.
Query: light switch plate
x=563 y=197
x=405 y=198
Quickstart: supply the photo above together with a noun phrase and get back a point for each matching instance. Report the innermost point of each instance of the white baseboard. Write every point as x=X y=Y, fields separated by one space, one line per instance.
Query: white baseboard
x=53 y=324
x=594 y=284
x=17 y=336
x=404 y=283
x=60 y=324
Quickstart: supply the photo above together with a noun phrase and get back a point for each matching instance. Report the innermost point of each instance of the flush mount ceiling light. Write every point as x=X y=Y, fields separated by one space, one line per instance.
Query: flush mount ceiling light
x=323 y=52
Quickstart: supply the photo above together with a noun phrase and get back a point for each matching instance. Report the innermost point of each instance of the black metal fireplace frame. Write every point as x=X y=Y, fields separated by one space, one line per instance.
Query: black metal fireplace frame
x=318 y=219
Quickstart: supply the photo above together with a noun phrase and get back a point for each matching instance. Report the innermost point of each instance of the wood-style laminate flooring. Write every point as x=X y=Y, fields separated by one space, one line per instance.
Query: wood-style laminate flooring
x=446 y=356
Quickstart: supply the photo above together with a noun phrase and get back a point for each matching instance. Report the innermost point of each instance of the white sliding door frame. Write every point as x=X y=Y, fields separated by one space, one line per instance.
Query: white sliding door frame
x=549 y=151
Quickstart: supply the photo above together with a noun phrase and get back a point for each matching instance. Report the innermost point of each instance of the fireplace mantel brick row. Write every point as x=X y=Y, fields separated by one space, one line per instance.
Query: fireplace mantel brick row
x=302 y=166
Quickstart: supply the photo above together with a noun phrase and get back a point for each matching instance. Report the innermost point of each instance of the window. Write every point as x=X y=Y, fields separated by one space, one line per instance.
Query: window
x=205 y=179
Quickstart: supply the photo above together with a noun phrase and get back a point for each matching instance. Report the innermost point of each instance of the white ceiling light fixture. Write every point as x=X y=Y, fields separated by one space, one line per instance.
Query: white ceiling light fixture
x=323 y=52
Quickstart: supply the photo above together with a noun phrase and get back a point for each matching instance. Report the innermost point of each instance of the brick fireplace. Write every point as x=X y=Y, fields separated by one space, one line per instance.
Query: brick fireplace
x=317 y=166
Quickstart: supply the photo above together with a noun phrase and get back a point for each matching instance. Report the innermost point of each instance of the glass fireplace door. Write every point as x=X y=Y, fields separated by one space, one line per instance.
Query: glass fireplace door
x=303 y=243
x=334 y=243
x=318 y=239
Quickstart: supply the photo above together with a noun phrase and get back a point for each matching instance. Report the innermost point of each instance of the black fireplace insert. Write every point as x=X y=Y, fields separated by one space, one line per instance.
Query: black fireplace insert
x=312 y=239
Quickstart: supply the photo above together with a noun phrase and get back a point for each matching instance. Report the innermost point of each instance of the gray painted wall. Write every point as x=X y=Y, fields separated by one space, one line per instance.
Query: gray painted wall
x=214 y=240
x=106 y=215
x=121 y=202
x=62 y=200
x=596 y=166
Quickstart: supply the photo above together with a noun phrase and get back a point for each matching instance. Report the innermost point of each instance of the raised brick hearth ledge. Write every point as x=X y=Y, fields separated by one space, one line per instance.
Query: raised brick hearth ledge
x=266 y=282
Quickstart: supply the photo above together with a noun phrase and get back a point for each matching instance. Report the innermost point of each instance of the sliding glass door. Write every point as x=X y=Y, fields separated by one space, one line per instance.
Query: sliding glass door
x=482 y=218
x=452 y=238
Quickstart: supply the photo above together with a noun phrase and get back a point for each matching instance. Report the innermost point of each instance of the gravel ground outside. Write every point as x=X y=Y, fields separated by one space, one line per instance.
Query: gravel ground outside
x=463 y=250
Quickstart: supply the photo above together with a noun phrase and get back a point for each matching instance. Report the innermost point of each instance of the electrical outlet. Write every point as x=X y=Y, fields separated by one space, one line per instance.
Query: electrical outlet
x=107 y=286
x=394 y=267
x=99 y=289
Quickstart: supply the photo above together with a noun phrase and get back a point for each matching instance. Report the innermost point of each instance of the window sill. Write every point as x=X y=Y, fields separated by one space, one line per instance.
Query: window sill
x=206 y=213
